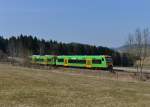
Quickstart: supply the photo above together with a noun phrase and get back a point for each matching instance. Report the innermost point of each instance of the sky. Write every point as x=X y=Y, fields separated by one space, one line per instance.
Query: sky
x=96 y=22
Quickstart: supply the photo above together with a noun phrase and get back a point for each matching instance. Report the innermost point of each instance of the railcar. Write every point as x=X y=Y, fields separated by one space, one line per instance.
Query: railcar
x=99 y=61
x=50 y=59
x=44 y=59
x=35 y=59
x=84 y=61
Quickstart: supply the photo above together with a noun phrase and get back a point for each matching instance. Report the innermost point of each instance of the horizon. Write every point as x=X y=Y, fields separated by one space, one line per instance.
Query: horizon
x=67 y=21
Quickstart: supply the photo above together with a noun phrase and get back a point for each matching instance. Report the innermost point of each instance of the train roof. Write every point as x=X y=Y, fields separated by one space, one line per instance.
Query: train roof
x=82 y=56
x=71 y=56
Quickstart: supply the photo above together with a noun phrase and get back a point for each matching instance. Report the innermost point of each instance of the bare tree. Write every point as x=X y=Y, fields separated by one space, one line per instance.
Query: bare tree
x=144 y=50
x=41 y=47
x=138 y=46
x=12 y=49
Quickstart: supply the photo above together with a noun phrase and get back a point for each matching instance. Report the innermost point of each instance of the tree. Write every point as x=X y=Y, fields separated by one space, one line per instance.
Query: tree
x=138 y=46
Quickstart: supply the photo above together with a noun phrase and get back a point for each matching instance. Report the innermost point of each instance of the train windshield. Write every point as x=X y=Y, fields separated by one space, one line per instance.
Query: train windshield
x=109 y=59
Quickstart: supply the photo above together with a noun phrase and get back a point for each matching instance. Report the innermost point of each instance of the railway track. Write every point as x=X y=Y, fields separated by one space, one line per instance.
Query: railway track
x=85 y=70
x=130 y=70
x=116 y=69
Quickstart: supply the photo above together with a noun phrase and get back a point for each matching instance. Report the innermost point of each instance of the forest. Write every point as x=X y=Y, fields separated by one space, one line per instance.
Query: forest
x=23 y=46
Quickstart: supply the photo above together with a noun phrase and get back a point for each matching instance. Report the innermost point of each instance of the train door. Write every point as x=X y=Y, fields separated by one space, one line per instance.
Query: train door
x=46 y=60
x=33 y=60
x=65 y=62
x=89 y=63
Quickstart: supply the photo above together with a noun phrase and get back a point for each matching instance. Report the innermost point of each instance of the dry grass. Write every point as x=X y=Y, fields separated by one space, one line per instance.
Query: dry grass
x=147 y=62
x=23 y=87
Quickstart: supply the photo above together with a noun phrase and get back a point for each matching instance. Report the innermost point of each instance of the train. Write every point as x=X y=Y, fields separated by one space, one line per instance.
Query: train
x=82 y=61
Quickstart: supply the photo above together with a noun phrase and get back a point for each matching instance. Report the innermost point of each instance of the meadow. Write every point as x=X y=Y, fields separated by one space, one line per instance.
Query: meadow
x=28 y=87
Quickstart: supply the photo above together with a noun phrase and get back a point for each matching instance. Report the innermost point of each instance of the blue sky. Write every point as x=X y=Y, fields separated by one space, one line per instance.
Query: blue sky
x=96 y=22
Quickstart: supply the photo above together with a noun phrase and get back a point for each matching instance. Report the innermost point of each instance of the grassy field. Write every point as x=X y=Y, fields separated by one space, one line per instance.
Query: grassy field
x=24 y=87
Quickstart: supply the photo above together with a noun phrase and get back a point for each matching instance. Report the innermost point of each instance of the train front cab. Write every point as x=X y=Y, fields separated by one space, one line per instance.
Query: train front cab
x=109 y=63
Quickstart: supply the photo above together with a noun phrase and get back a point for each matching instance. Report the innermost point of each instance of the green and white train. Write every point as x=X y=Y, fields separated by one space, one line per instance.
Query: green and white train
x=84 y=61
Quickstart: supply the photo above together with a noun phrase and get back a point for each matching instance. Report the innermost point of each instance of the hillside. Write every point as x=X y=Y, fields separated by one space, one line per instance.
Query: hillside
x=122 y=48
x=24 y=87
x=125 y=47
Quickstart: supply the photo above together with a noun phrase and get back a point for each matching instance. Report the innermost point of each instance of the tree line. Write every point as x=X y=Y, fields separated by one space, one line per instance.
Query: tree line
x=27 y=45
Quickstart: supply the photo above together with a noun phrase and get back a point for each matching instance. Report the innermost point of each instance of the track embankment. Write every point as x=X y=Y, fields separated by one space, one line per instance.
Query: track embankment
x=131 y=69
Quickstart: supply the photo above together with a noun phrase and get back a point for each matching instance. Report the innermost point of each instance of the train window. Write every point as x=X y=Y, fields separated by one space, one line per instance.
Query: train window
x=71 y=61
x=109 y=59
x=81 y=61
x=96 y=61
x=102 y=59
x=60 y=60
x=49 y=60
x=41 y=60
x=77 y=61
